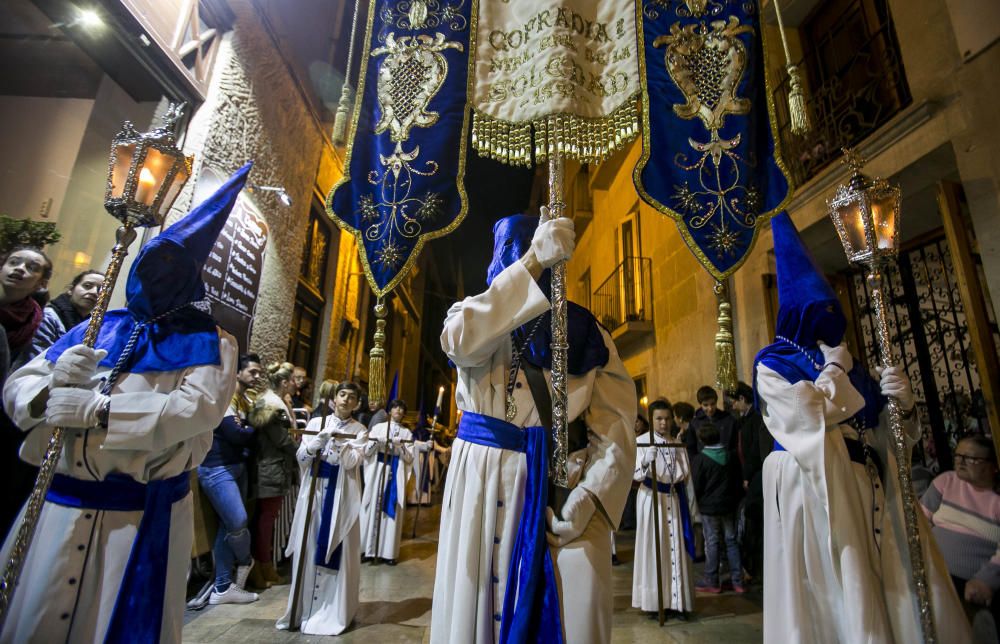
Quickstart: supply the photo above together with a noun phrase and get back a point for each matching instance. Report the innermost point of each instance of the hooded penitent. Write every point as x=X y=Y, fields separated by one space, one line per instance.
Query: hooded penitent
x=512 y=239
x=808 y=313
x=160 y=321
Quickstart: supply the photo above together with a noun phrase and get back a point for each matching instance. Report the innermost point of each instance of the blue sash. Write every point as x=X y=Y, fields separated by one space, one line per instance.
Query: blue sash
x=138 y=612
x=327 y=471
x=389 y=496
x=531 y=607
x=686 y=527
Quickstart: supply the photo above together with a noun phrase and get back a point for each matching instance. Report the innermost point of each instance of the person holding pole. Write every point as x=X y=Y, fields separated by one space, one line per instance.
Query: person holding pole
x=836 y=565
x=388 y=456
x=110 y=554
x=325 y=540
x=663 y=520
x=509 y=568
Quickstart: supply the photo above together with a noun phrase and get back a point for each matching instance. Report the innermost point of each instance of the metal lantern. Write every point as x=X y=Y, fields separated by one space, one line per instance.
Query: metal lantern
x=146 y=172
x=866 y=213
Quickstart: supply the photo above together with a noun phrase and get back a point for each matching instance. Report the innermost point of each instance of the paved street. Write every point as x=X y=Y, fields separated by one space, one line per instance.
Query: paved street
x=396 y=607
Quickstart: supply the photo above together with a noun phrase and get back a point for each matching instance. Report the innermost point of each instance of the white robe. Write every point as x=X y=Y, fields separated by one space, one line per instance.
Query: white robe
x=160 y=425
x=390 y=534
x=677 y=581
x=329 y=598
x=485 y=487
x=836 y=566
x=422 y=467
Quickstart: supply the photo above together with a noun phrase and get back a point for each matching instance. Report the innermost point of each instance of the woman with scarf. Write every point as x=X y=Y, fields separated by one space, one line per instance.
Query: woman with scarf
x=110 y=554
x=836 y=563
x=509 y=568
x=25 y=271
x=66 y=311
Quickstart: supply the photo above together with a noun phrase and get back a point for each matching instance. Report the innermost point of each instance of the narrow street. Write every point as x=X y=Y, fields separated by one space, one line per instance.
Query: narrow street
x=396 y=606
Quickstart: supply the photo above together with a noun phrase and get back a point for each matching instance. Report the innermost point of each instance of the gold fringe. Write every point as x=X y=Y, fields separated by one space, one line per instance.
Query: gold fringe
x=585 y=139
x=797 y=101
x=340 y=119
x=376 y=364
x=725 y=348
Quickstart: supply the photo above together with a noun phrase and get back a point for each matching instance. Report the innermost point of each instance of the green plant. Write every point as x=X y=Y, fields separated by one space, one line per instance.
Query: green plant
x=26 y=232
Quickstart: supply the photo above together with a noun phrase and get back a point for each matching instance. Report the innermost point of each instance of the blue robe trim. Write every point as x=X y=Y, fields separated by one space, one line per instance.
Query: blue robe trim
x=389 y=496
x=531 y=606
x=138 y=612
x=687 y=528
x=330 y=472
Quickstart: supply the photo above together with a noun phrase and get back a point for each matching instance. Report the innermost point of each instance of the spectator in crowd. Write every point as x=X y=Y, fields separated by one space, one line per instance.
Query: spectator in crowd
x=641 y=425
x=718 y=485
x=709 y=414
x=223 y=479
x=331 y=574
x=755 y=443
x=300 y=389
x=964 y=509
x=683 y=415
x=364 y=413
x=674 y=530
x=66 y=311
x=24 y=271
x=379 y=413
x=327 y=390
x=388 y=460
x=272 y=420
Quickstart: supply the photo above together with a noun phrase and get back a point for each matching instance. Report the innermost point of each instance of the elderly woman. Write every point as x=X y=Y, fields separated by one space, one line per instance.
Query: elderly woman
x=964 y=508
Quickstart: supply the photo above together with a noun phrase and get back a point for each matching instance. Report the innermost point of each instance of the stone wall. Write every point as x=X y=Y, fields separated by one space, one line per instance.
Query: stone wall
x=255 y=111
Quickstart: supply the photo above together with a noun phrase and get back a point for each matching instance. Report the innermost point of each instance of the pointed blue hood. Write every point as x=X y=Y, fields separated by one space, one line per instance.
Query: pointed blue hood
x=809 y=312
x=165 y=280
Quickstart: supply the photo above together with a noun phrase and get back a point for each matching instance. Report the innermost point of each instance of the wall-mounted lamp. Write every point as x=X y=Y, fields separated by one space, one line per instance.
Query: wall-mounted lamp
x=283 y=196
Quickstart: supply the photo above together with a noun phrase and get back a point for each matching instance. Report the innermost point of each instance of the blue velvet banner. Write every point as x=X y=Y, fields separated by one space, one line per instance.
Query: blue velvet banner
x=708 y=160
x=405 y=167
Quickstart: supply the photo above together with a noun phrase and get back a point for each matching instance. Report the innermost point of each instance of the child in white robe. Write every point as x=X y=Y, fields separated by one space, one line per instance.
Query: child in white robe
x=386 y=474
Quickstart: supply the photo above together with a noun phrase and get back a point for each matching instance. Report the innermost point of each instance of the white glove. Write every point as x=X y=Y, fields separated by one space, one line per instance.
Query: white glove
x=74 y=407
x=838 y=354
x=576 y=512
x=648 y=456
x=554 y=241
x=896 y=384
x=76 y=366
x=425 y=446
x=324 y=435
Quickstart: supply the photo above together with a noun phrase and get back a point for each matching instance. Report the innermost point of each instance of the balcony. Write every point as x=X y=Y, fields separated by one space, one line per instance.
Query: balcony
x=623 y=303
x=855 y=83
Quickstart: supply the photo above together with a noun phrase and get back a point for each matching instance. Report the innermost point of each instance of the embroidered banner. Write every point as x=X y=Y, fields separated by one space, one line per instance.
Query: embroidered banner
x=708 y=153
x=566 y=69
x=405 y=167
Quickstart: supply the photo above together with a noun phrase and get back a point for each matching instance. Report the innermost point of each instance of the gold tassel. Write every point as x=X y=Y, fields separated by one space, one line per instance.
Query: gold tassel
x=340 y=119
x=725 y=348
x=376 y=364
x=797 y=101
x=797 y=112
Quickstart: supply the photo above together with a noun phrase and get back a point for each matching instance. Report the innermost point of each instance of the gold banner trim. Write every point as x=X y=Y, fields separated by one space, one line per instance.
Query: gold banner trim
x=587 y=140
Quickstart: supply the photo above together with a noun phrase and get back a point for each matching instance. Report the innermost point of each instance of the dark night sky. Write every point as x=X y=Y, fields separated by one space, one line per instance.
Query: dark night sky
x=495 y=191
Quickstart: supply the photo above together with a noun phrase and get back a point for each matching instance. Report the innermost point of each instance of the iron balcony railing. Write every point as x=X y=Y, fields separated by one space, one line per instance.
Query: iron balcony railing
x=853 y=88
x=626 y=295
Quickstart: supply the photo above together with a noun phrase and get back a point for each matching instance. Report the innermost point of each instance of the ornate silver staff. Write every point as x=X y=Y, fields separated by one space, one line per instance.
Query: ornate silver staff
x=866 y=214
x=145 y=174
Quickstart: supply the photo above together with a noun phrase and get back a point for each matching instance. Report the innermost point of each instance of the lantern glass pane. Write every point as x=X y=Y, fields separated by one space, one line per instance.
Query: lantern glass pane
x=884 y=220
x=173 y=189
x=854 y=227
x=119 y=171
x=150 y=179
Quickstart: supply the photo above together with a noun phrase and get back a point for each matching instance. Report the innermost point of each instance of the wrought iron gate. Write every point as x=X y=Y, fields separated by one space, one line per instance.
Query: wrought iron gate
x=929 y=331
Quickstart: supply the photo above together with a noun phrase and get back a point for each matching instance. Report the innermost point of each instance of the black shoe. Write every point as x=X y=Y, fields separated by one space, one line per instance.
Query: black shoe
x=390 y=562
x=681 y=615
x=365 y=558
x=615 y=561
